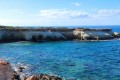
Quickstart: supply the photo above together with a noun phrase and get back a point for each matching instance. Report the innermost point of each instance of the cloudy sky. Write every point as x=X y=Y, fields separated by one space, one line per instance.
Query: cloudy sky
x=59 y=12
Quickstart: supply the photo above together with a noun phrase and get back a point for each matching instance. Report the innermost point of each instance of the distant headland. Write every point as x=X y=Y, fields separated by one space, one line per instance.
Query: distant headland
x=11 y=34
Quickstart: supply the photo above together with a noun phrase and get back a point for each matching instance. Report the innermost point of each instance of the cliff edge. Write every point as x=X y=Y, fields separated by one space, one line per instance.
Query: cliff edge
x=8 y=34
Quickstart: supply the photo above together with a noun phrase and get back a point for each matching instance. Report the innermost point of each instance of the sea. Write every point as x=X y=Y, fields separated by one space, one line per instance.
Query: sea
x=70 y=60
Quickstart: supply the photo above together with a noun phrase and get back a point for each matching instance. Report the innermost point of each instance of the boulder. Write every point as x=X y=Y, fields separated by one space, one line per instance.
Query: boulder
x=32 y=78
x=6 y=71
x=116 y=35
x=44 y=77
x=20 y=69
x=15 y=76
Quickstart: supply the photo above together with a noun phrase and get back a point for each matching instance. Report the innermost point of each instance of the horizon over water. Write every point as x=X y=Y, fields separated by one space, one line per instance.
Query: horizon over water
x=71 y=60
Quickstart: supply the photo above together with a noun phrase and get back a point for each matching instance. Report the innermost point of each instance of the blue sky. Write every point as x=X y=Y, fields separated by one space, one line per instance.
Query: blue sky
x=59 y=12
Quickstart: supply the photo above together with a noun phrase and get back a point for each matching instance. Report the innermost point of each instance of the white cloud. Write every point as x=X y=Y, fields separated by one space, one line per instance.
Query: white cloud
x=62 y=14
x=62 y=17
x=111 y=12
x=77 y=4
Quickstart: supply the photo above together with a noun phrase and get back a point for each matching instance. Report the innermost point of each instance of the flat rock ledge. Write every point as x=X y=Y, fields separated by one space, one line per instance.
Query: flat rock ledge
x=8 y=73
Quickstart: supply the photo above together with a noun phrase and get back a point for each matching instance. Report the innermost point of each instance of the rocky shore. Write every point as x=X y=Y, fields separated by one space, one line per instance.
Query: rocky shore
x=8 y=73
x=11 y=34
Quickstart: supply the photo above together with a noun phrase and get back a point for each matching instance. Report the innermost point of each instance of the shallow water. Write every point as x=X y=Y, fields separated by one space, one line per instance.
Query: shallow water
x=72 y=60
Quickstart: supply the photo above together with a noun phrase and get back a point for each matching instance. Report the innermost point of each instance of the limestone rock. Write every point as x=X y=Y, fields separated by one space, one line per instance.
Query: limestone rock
x=116 y=35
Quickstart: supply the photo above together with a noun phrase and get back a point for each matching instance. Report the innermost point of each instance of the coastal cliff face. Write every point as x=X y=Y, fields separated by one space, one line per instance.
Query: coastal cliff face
x=53 y=34
x=94 y=34
x=43 y=36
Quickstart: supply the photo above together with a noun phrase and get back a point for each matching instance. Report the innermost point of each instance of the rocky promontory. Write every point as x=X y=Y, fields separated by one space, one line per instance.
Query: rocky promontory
x=8 y=73
x=11 y=34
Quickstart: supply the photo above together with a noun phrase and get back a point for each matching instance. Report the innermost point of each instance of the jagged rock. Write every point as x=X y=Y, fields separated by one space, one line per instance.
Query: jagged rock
x=20 y=69
x=15 y=76
x=24 y=78
x=32 y=78
x=6 y=71
x=44 y=77
x=93 y=34
x=116 y=35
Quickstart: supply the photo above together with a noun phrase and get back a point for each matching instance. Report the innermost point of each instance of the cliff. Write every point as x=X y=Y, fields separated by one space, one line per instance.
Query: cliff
x=9 y=34
x=94 y=34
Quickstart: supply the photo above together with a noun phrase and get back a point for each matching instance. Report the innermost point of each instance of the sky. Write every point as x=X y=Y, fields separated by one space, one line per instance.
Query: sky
x=59 y=12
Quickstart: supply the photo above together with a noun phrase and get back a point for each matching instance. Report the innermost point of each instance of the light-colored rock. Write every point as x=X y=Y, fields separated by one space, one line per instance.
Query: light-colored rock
x=32 y=78
x=116 y=33
x=55 y=34
x=93 y=34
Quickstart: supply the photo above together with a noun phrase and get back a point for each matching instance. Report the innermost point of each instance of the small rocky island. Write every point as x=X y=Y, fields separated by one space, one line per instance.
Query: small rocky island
x=11 y=34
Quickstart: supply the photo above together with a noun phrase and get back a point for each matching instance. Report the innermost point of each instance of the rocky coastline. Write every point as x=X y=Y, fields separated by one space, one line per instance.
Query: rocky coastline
x=12 y=34
x=8 y=73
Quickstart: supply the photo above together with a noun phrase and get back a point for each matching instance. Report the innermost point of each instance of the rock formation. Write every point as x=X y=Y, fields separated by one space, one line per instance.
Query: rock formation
x=54 y=34
x=44 y=77
x=6 y=71
x=94 y=34
x=116 y=35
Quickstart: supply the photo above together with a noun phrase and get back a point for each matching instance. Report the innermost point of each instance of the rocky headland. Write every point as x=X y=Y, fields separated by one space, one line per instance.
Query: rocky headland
x=11 y=34
x=8 y=73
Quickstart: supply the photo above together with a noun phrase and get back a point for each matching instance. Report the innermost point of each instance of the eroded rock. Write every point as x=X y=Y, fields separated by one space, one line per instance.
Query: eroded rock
x=6 y=71
x=20 y=69
x=44 y=77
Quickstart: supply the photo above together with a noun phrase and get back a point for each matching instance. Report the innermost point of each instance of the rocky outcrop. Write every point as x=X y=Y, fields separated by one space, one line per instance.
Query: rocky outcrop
x=6 y=71
x=43 y=36
x=116 y=35
x=54 y=34
x=94 y=34
x=44 y=77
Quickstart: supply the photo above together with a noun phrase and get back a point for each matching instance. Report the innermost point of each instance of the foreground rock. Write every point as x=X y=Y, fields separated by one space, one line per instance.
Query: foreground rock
x=6 y=71
x=44 y=77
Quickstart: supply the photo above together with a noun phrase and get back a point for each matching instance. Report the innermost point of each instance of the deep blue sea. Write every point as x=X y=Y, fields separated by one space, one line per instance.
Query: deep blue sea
x=71 y=60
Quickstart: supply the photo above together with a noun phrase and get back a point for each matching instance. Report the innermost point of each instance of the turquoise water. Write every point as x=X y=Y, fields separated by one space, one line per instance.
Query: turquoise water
x=72 y=60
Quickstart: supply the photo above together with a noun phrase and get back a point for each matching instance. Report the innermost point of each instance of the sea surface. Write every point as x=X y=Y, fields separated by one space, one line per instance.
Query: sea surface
x=71 y=60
